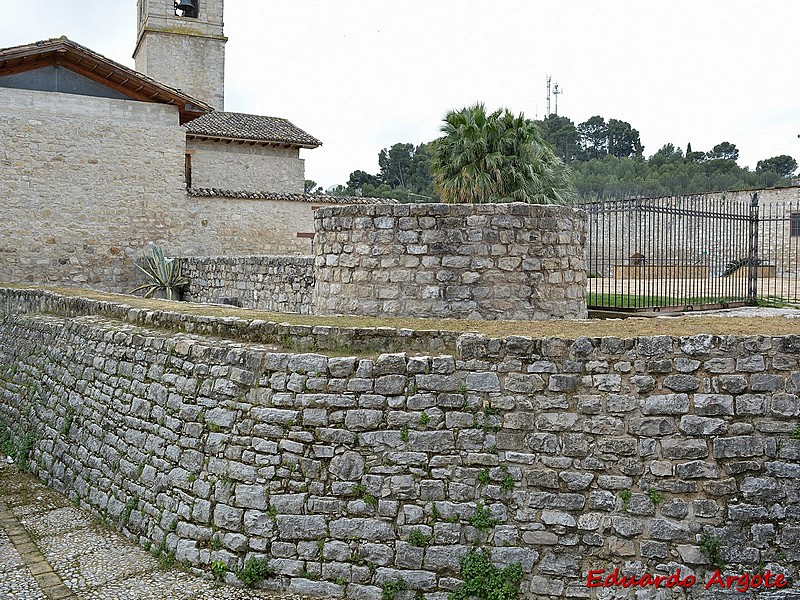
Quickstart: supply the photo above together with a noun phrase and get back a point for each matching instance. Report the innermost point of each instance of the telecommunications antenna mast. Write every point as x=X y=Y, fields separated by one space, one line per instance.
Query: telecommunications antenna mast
x=556 y=92
x=547 y=113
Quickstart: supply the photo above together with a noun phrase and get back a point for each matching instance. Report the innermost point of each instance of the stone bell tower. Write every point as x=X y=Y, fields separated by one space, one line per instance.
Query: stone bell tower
x=180 y=43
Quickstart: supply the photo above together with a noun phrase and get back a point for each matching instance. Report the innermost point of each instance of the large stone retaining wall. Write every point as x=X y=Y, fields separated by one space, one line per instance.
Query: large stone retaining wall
x=277 y=283
x=350 y=473
x=490 y=261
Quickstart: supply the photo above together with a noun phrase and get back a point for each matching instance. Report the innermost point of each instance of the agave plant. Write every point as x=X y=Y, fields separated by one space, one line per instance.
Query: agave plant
x=163 y=274
x=735 y=265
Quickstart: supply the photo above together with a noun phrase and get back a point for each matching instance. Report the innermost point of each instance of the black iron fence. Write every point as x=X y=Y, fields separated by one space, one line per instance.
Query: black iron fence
x=691 y=252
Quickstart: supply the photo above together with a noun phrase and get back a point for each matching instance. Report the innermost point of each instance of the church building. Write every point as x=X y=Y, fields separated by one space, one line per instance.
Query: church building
x=100 y=161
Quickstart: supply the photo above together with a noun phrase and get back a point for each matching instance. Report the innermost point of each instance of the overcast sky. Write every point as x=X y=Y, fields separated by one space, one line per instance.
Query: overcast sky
x=362 y=75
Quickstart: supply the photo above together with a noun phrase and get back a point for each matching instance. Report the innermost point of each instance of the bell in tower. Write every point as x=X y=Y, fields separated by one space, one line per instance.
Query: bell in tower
x=171 y=30
x=187 y=8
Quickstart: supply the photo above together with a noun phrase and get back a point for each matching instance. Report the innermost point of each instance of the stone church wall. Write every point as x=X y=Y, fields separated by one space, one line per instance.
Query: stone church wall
x=88 y=184
x=240 y=166
x=224 y=226
x=85 y=183
x=350 y=473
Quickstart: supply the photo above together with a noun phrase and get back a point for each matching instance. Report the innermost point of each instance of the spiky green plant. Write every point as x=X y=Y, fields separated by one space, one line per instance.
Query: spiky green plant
x=163 y=274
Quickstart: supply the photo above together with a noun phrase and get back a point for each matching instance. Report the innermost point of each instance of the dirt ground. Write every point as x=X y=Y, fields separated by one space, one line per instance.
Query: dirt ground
x=758 y=321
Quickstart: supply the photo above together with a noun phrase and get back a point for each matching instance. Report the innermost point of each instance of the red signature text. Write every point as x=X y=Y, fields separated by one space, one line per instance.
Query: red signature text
x=740 y=583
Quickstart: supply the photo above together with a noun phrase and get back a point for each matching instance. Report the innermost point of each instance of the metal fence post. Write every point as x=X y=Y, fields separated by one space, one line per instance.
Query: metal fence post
x=752 y=253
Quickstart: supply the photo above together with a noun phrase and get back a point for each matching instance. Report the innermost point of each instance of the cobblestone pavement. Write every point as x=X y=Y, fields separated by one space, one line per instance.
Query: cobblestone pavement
x=51 y=550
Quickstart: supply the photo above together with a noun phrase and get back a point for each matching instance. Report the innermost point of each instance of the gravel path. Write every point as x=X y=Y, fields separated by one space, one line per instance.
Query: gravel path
x=51 y=550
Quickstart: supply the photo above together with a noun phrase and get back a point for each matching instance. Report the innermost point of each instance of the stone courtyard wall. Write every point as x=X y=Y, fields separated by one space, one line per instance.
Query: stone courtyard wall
x=349 y=473
x=277 y=283
x=485 y=261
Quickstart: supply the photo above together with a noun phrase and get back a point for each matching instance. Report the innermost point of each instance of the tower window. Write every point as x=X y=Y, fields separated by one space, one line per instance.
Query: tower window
x=187 y=8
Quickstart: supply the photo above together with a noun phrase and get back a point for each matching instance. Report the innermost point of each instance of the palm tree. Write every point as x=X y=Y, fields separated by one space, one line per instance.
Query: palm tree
x=496 y=158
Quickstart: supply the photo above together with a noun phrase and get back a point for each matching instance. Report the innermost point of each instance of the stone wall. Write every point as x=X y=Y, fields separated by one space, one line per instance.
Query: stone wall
x=277 y=283
x=350 y=473
x=89 y=184
x=243 y=166
x=492 y=261
x=86 y=183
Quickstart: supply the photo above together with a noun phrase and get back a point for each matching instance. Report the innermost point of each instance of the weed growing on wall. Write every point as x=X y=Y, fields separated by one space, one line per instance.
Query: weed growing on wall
x=710 y=545
x=483 y=476
x=130 y=506
x=419 y=539
x=625 y=495
x=655 y=496
x=360 y=490
x=391 y=588
x=254 y=570
x=7 y=445
x=19 y=449
x=507 y=482
x=483 y=580
x=219 y=569
x=482 y=519
x=69 y=417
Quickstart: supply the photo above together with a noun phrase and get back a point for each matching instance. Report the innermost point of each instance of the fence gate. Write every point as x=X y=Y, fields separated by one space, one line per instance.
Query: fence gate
x=674 y=253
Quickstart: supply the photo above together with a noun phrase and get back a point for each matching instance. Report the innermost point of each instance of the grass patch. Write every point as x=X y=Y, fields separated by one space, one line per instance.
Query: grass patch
x=609 y=300
x=567 y=329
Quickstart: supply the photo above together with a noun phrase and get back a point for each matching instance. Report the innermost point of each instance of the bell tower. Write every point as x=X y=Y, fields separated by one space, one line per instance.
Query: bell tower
x=180 y=43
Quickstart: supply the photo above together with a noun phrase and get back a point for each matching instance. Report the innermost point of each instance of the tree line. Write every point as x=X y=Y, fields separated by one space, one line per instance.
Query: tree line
x=599 y=158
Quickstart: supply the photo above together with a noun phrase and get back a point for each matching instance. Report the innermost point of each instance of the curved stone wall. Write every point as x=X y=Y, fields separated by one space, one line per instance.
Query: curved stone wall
x=463 y=261
x=573 y=458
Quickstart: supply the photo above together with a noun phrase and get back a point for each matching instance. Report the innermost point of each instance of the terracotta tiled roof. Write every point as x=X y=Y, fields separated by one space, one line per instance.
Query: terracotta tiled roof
x=94 y=66
x=240 y=126
x=311 y=198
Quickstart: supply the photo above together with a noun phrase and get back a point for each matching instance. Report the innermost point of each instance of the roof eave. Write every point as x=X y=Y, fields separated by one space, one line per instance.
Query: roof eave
x=79 y=59
x=282 y=143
